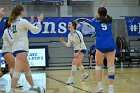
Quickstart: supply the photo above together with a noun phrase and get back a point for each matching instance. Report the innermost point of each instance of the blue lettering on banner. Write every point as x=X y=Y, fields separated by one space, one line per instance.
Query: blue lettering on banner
x=34 y=56
x=133 y=26
x=51 y=27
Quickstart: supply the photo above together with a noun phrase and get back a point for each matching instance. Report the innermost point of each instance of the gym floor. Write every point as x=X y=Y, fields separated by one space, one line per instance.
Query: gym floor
x=126 y=81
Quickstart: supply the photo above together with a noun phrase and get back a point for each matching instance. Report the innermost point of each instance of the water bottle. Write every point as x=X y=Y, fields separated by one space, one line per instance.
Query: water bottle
x=121 y=66
x=3 y=83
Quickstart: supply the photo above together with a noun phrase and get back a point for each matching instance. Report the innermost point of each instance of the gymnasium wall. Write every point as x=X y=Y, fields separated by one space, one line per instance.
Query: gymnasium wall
x=116 y=8
x=57 y=51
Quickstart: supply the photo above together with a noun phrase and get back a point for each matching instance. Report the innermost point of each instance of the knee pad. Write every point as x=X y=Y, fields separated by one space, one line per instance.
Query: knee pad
x=98 y=68
x=111 y=72
x=11 y=70
x=28 y=73
x=73 y=68
x=17 y=74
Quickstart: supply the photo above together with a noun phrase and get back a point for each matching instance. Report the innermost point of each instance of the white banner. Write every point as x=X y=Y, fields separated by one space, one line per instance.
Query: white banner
x=36 y=58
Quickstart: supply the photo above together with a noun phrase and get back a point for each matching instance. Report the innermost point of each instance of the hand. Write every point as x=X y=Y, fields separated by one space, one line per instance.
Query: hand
x=32 y=19
x=103 y=4
x=40 y=17
x=3 y=11
x=62 y=39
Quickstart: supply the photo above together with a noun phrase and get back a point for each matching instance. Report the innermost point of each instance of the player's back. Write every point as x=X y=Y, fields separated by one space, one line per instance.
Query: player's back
x=7 y=40
x=19 y=30
x=20 y=34
x=7 y=37
x=102 y=29
x=104 y=36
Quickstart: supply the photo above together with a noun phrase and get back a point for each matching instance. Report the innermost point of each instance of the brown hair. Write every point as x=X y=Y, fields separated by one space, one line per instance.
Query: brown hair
x=104 y=18
x=74 y=23
x=15 y=12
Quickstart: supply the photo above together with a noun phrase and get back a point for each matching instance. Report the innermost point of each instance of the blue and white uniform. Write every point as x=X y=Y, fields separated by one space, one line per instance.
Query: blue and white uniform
x=77 y=40
x=7 y=41
x=20 y=29
x=104 y=39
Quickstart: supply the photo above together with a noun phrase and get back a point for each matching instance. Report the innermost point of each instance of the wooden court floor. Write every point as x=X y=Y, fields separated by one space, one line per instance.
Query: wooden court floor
x=127 y=81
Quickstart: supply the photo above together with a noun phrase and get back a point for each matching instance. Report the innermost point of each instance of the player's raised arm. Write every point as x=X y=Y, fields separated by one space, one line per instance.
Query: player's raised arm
x=33 y=28
x=2 y=12
x=103 y=4
x=32 y=19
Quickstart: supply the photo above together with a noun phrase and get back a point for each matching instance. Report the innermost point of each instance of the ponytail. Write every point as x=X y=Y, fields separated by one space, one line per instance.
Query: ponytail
x=74 y=23
x=105 y=20
x=12 y=18
x=16 y=11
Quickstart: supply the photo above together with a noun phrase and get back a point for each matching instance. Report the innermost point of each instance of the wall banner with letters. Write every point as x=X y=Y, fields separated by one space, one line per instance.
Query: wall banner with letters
x=133 y=26
x=51 y=26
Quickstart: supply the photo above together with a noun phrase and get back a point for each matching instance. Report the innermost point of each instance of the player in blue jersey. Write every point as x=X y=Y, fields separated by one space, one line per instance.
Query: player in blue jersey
x=2 y=12
x=92 y=54
x=105 y=47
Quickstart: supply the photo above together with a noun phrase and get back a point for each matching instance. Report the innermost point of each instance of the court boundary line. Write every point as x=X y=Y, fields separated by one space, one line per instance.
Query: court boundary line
x=60 y=81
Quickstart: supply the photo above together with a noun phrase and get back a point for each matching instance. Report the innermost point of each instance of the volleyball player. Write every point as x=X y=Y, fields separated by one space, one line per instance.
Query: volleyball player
x=2 y=12
x=7 y=47
x=20 y=47
x=92 y=54
x=105 y=47
x=76 y=38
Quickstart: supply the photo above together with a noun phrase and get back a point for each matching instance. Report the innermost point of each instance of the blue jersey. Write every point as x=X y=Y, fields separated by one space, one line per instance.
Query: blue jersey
x=92 y=48
x=104 y=38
